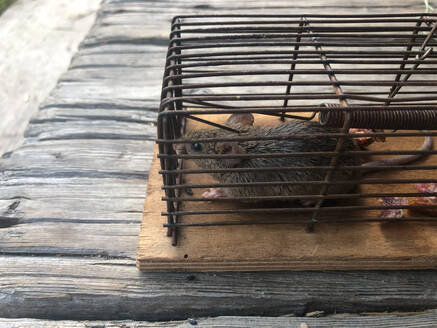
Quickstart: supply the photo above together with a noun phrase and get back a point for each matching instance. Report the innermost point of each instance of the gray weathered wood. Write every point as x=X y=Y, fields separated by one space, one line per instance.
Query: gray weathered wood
x=60 y=287
x=71 y=196
x=387 y=320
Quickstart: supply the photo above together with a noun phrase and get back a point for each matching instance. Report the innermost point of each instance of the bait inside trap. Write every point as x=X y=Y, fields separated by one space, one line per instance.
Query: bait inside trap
x=232 y=195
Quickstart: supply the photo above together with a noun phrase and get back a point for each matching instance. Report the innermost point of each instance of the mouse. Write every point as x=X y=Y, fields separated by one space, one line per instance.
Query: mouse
x=244 y=124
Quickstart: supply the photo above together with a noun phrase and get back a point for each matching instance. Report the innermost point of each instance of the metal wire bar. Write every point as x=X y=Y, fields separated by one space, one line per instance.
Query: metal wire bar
x=302 y=154
x=221 y=126
x=288 y=44
x=292 y=67
x=340 y=141
x=283 y=183
x=311 y=83
x=377 y=36
x=294 y=61
x=358 y=93
x=277 y=22
x=166 y=128
x=395 y=89
x=327 y=16
x=305 y=59
x=298 y=221
x=298 y=197
x=227 y=33
x=303 y=54
x=306 y=28
x=301 y=71
x=297 y=210
x=298 y=136
x=297 y=109
x=300 y=168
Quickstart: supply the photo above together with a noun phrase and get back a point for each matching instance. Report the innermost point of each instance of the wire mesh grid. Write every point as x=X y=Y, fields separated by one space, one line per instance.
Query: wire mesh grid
x=340 y=71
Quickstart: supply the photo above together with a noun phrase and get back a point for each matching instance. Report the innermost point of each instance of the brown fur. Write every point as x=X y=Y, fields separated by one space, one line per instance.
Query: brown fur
x=274 y=146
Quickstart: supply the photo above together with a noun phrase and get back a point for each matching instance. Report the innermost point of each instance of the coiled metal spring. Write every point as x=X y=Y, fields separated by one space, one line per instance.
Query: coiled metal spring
x=420 y=119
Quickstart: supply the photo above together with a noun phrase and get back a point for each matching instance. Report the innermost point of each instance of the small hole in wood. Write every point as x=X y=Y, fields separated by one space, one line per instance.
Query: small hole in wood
x=185 y=256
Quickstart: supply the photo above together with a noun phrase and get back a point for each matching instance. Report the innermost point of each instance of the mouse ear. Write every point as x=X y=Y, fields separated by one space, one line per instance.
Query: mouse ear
x=240 y=120
x=229 y=148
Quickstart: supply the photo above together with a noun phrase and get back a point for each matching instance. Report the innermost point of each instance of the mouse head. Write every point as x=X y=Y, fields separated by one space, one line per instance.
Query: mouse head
x=211 y=148
x=241 y=122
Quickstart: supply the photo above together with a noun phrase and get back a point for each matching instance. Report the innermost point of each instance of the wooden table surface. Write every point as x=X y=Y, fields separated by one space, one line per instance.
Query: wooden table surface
x=71 y=199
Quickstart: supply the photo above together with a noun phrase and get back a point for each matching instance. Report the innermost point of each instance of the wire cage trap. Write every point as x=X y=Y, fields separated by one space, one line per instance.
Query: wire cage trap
x=315 y=85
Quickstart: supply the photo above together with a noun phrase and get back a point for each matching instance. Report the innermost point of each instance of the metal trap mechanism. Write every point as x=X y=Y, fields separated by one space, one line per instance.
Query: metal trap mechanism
x=340 y=71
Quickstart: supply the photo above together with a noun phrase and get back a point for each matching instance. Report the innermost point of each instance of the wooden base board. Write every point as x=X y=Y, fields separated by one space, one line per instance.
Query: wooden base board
x=351 y=246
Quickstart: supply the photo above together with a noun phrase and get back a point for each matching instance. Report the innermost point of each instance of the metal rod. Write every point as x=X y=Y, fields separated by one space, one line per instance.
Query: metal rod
x=340 y=142
x=298 y=136
x=303 y=154
x=298 y=197
x=277 y=22
x=296 y=109
x=294 y=61
x=302 y=71
x=298 y=221
x=300 y=168
x=287 y=44
x=282 y=183
x=395 y=89
x=293 y=66
x=314 y=54
x=221 y=126
x=307 y=16
x=298 y=209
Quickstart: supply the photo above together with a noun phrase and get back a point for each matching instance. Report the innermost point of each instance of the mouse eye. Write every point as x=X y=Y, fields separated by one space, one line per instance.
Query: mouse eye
x=197 y=146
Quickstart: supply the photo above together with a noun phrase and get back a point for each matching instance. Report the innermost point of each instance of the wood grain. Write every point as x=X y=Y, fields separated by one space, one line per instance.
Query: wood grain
x=103 y=288
x=71 y=197
x=388 y=320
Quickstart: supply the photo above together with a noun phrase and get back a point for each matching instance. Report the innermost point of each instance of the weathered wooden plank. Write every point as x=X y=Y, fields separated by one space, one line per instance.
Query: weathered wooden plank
x=79 y=154
x=124 y=22
x=128 y=60
x=254 y=6
x=75 y=238
x=61 y=129
x=105 y=90
x=35 y=323
x=387 y=321
x=51 y=212
x=100 y=288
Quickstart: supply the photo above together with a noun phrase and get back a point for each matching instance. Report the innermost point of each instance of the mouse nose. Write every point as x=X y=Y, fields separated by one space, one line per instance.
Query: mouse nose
x=179 y=149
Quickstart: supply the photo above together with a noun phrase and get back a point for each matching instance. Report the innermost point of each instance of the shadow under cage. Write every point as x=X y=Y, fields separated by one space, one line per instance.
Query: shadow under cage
x=298 y=119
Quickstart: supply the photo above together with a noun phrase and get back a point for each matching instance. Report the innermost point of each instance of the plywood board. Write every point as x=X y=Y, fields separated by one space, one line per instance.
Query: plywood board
x=361 y=245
